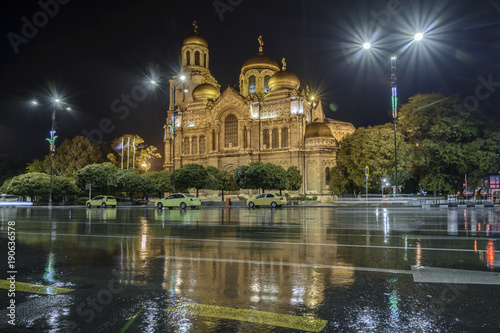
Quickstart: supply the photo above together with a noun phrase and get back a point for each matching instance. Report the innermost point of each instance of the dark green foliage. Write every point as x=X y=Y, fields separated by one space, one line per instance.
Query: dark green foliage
x=101 y=175
x=191 y=176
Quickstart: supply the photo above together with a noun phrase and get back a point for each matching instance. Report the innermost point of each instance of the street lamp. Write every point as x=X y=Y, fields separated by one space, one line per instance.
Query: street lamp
x=52 y=139
x=394 y=104
x=173 y=90
x=384 y=183
x=172 y=126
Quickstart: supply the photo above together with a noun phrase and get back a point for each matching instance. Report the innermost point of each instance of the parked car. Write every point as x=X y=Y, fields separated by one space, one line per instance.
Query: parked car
x=181 y=200
x=102 y=201
x=8 y=197
x=267 y=199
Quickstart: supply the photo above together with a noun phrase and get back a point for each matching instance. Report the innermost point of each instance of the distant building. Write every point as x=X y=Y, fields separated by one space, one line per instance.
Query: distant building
x=270 y=119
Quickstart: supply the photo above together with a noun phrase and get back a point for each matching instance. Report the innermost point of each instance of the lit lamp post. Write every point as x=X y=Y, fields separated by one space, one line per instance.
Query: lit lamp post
x=52 y=139
x=172 y=126
x=394 y=105
x=384 y=183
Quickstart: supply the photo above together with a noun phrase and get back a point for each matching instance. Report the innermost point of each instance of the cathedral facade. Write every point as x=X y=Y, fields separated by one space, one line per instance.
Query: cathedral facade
x=270 y=119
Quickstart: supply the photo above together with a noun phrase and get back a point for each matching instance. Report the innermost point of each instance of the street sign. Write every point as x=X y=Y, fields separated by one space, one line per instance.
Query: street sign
x=89 y=186
x=367 y=171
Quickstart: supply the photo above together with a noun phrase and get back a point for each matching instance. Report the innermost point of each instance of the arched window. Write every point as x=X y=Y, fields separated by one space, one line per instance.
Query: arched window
x=205 y=60
x=202 y=144
x=276 y=138
x=186 y=146
x=284 y=137
x=231 y=131
x=197 y=58
x=188 y=58
x=251 y=84
x=194 y=145
x=265 y=139
x=245 y=140
x=266 y=84
x=327 y=176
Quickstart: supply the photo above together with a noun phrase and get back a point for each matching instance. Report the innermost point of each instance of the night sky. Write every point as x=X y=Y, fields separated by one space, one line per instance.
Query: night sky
x=91 y=53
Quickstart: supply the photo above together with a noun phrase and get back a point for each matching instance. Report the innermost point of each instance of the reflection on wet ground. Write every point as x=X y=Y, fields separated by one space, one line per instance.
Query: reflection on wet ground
x=347 y=269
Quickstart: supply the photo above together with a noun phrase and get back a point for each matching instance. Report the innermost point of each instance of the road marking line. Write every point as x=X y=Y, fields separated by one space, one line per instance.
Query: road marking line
x=131 y=321
x=425 y=274
x=253 y=316
x=411 y=248
x=291 y=264
x=34 y=288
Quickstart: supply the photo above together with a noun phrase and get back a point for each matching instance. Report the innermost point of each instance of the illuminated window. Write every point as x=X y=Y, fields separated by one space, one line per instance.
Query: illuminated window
x=251 y=84
x=231 y=131
x=194 y=145
x=266 y=84
x=265 y=139
x=197 y=58
x=284 y=137
x=327 y=175
x=188 y=58
x=276 y=138
x=186 y=146
x=202 y=144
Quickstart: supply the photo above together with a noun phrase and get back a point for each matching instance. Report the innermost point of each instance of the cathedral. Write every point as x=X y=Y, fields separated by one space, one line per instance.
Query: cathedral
x=270 y=119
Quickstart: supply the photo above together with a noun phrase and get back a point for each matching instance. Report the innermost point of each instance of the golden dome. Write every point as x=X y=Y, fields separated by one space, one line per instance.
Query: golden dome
x=205 y=92
x=260 y=61
x=284 y=80
x=316 y=130
x=195 y=38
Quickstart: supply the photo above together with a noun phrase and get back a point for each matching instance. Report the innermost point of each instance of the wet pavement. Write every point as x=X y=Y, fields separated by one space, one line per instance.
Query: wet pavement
x=294 y=269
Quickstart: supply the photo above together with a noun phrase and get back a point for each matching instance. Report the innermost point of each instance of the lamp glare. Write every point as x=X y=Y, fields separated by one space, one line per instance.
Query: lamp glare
x=366 y=46
x=419 y=36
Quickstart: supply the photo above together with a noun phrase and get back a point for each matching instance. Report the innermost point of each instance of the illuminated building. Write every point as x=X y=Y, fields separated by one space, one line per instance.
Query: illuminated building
x=270 y=119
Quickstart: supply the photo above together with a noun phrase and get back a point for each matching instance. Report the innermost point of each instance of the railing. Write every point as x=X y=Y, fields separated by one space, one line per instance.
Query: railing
x=416 y=200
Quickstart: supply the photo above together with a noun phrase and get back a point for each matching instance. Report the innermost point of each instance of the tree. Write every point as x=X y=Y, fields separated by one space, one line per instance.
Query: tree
x=261 y=176
x=126 y=181
x=341 y=180
x=70 y=156
x=240 y=177
x=372 y=147
x=253 y=176
x=41 y=166
x=37 y=186
x=449 y=142
x=191 y=175
x=143 y=153
x=293 y=179
x=156 y=182
x=33 y=184
x=63 y=186
x=97 y=174
x=74 y=154
x=220 y=180
x=277 y=177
